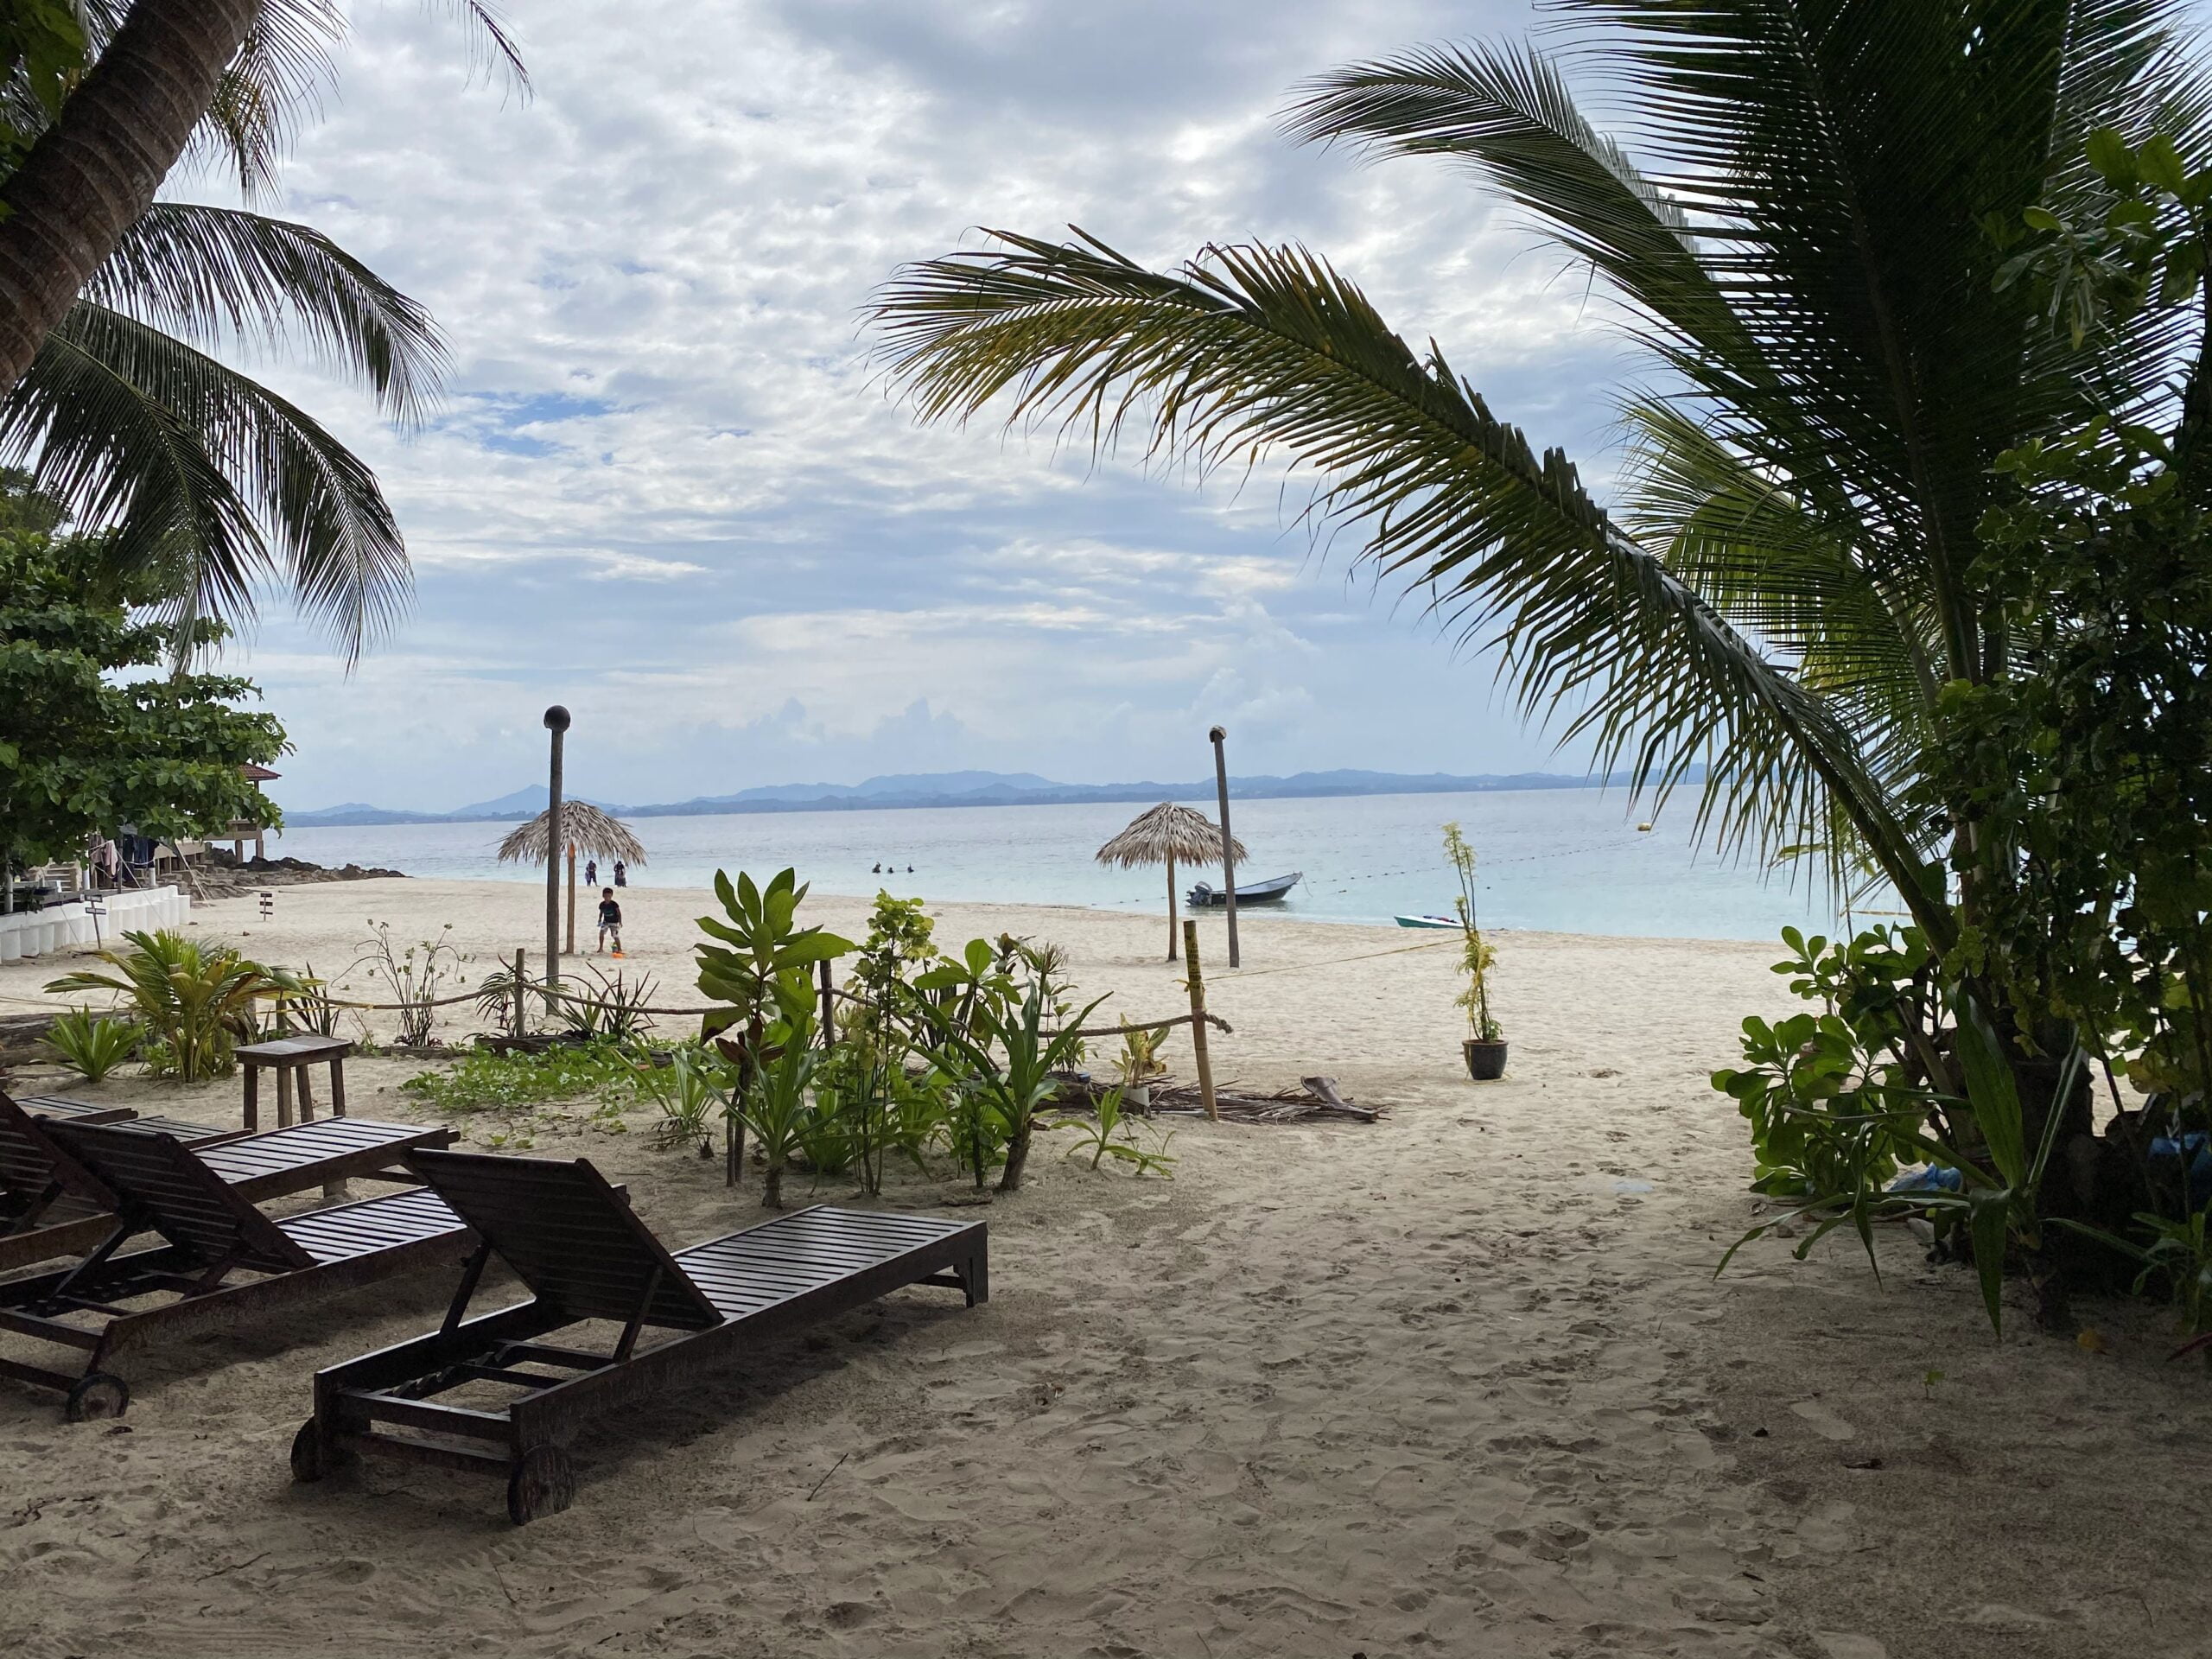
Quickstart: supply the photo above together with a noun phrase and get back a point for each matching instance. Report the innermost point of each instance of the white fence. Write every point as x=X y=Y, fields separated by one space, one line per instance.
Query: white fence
x=65 y=927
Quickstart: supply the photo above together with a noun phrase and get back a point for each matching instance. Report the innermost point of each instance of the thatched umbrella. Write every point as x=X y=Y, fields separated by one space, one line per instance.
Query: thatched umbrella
x=1162 y=835
x=581 y=826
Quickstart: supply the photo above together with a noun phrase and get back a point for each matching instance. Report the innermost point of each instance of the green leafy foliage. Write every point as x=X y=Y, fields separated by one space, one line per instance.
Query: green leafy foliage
x=93 y=1045
x=418 y=976
x=1477 y=955
x=195 y=1003
x=89 y=741
x=691 y=1091
x=1109 y=1135
x=509 y=1085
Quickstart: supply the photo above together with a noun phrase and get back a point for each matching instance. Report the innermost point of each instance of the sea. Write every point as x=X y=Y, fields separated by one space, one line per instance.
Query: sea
x=1572 y=860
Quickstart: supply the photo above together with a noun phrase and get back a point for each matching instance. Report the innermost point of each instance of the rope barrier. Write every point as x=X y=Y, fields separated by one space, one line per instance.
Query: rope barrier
x=1296 y=967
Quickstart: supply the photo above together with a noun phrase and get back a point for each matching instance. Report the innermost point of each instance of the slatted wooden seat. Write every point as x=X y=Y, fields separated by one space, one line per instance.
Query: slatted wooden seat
x=53 y=1206
x=220 y=1260
x=575 y=1241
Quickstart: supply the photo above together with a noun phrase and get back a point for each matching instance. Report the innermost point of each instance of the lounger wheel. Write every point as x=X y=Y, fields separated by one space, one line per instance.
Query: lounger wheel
x=313 y=1456
x=543 y=1482
x=97 y=1394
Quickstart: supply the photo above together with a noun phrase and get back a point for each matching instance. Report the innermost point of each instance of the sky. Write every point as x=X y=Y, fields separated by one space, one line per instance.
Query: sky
x=667 y=489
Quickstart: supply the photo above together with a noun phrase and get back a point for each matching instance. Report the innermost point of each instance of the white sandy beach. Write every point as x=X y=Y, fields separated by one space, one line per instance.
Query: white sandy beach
x=1461 y=1382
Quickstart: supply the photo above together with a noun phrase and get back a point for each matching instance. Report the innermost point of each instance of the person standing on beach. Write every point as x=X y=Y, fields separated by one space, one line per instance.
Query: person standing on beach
x=610 y=920
x=591 y=872
x=621 y=874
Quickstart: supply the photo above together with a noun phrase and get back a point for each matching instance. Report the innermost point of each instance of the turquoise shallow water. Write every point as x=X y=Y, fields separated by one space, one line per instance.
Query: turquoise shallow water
x=1562 y=859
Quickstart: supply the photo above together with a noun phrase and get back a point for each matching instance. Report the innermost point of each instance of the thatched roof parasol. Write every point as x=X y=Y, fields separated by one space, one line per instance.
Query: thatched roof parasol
x=591 y=832
x=1163 y=835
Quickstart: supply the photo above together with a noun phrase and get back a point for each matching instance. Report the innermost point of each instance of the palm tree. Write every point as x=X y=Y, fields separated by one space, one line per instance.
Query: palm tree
x=122 y=412
x=1789 y=577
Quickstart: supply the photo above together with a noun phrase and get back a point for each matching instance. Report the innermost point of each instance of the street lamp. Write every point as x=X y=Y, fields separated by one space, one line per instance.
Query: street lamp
x=557 y=721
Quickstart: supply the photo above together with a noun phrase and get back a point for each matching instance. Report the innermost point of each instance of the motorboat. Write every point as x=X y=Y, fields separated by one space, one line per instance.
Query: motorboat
x=1428 y=921
x=1272 y=891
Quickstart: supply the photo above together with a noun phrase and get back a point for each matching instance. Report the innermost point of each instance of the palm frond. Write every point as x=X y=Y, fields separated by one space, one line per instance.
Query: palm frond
x=198 y=471
x=277 y=81
x=1256 y=356
x=213 y=275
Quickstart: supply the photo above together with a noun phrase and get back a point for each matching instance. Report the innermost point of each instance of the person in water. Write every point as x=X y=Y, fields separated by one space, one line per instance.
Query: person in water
x=591 y=872
x=621 y=874
x=610 y=920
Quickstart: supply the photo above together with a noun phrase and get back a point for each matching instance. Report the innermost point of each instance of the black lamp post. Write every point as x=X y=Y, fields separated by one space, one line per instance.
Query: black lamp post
x=1228 y=846
x=557 y=721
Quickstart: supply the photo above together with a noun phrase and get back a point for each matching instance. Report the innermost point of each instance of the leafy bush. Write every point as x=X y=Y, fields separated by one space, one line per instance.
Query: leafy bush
x=1098 y=1136
x=93 y=1045
x=416 y=975
x=484 y=1082
x=195 y=1002
x=613 y=1008
x=692 y=1090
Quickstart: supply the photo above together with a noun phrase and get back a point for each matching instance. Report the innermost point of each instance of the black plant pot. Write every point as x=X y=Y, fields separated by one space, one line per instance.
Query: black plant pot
x=1485 y=1061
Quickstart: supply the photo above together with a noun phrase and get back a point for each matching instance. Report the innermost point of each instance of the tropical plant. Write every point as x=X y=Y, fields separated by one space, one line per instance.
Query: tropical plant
x=483 y=1081
x=1108 y=1135
x=88 y=739
x=193 y=1002
x=1477 y=955
x=303 y=997
x=761 y=945
x=415 y=974
x=93 y=1045
x=207 y=478
x=1005 y=1059
x=614 y=1008
x=689 y=1089
x=1138 y=1061
x=776 y=1100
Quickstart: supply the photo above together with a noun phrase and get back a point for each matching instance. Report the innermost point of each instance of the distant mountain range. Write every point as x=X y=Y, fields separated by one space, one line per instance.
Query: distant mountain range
x=954 y=788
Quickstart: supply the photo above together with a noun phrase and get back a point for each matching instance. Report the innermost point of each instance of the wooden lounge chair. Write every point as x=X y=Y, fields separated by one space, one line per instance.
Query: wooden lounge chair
x=575 y=1241
x=51 y=1206
x=221 y=1260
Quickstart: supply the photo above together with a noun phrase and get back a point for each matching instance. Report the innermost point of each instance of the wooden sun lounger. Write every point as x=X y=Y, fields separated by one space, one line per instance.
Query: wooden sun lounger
x=575 y=1241
x=221 y=1261
x=53 y=1206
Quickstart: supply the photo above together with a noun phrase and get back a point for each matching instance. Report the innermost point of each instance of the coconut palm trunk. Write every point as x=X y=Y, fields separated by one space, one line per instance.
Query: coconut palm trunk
x=92 y=175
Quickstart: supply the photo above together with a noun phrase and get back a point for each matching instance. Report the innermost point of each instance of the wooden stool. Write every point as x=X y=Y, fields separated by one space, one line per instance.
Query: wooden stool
x=290 y=1057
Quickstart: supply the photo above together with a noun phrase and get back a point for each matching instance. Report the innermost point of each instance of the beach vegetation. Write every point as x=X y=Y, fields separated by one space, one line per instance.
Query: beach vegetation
x=482 y=1081
x=1477 y=955
x=1109 y=1135
x=92 y=738
x=692 y=1090
x=1005 y=1059
x=193 y=1002
x=751 y=950
x=775 y=1098
x=93 y=1045
x=613 y=1007
x=420 y=976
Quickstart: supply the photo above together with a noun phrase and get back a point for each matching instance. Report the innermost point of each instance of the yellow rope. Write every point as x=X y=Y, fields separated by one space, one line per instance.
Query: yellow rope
x=1331 y=962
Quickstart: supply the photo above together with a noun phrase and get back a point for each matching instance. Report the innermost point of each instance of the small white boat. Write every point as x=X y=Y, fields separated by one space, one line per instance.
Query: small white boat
x=1428 y=921
x=1270 y=892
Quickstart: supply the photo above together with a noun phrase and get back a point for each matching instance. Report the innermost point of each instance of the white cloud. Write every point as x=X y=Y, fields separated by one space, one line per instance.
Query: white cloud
x=667 y=489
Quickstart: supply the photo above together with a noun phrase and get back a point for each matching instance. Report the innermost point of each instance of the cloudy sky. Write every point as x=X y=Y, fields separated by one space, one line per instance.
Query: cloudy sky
x=666 y=488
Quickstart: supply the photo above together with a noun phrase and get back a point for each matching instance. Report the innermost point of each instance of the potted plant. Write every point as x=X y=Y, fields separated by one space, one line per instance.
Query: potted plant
x=1484 y=1045
x=1139 y=1062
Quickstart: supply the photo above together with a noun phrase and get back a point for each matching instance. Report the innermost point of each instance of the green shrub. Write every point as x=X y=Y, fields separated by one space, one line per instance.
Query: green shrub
x=484 y=1082
x=195 y=1002
x=93 y=1045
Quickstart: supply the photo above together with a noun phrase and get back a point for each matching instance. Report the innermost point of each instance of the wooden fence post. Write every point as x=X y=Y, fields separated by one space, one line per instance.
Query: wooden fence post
x=521 y=958
x=829 y=1007
x=1196 y=982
